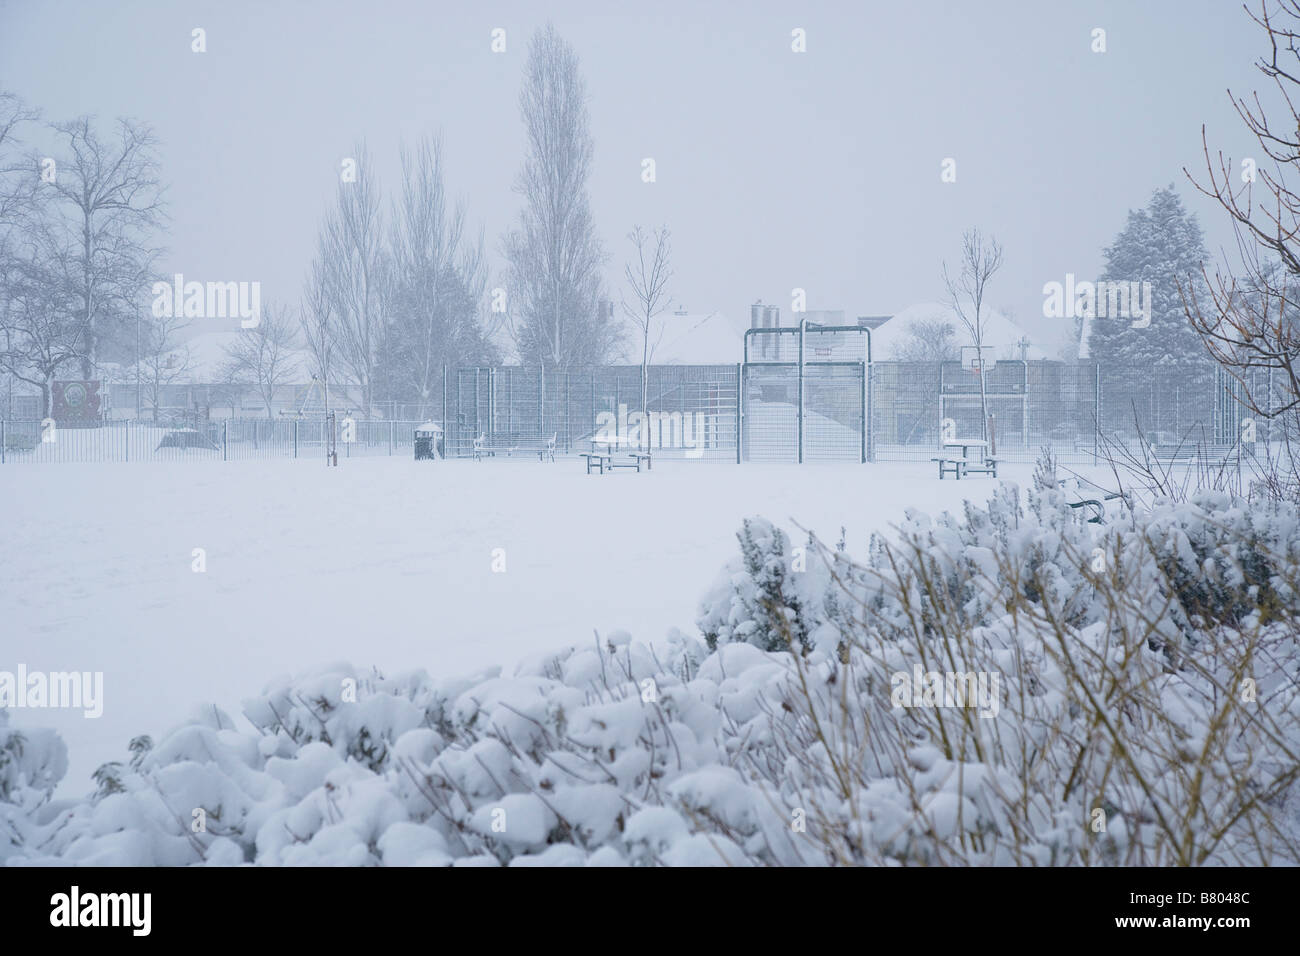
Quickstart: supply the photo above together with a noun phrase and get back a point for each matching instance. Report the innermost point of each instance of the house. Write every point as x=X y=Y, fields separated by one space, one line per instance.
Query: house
x=1006 y=339
x=685 y=338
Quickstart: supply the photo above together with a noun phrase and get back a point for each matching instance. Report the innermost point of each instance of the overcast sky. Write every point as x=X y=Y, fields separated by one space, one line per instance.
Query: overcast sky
x=775 y=169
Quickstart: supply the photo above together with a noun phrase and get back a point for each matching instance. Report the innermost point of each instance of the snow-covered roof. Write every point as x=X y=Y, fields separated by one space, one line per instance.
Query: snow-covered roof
x=693 y=339
x=999 y=332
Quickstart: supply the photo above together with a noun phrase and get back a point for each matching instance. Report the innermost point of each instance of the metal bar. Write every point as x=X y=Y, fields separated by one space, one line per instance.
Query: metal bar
x=1096 y=409
x=740 y=408
x=862 y=405
x=799 y=413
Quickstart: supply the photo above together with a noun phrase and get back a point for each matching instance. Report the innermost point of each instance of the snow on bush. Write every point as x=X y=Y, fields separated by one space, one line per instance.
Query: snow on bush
x=1007 y=686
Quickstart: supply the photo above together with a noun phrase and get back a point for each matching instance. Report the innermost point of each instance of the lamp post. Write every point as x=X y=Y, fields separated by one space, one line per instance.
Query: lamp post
x=137 y=364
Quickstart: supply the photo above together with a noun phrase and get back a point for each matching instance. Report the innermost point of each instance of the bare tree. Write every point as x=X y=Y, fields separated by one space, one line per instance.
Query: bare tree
x=111 y=197
x=17 y=187
x=647 y=276
x=928 y=340
x=38 y=310
x=980 y=260
x=264 y=355
x=16 y=182
x=350 y=279
x=439 y=275
x=1249 y=320
x=165 y=359
x=554 y=254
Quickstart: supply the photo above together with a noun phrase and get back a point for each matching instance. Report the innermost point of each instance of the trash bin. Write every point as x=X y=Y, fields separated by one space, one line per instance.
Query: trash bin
x=428 y=441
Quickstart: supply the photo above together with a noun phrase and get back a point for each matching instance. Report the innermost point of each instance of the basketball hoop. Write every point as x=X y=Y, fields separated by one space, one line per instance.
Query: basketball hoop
x=972 y=360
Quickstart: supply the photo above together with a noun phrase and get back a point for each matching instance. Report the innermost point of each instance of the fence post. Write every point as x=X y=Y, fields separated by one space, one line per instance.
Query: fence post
x=566 y=410
x=740 y=409
x=1096 y=409
x=295 y=438
x=390 y=438
x=799 y=412
x=225 y=455
x=871 y=411
x=128 y=440
x=862 y=404
x=2 y=441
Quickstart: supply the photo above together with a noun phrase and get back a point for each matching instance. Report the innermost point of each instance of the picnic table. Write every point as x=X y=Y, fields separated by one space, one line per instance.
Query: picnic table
x=602 y=456
x=983 y=463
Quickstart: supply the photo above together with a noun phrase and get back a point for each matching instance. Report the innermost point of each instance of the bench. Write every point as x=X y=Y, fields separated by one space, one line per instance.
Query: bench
x=490 y=445
x=955 y=465
x=604 y=461
x=990 y=467
x=601 y=460
x=544 y=447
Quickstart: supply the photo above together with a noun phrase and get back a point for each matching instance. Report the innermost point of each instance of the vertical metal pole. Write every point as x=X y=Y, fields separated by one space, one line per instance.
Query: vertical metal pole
x=871 y=403
x=566 y=410
x=1024 y=414
x=799 y=411
x=593 y=403
x=445 y=430
x=871 y=411
x=1268 y=424
x=941 y=408
x=295 y=438
x=862 y=405
x=2 y=441
x=225 y=452
x=1096 y=409
x=477 y=423
x=541 y=398
x=740 y=409
x=128 y=441
x=137 y=363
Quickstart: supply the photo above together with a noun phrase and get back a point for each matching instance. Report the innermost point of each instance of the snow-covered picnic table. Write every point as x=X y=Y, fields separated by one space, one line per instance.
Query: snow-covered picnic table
x=603 y=451
x=948 y=461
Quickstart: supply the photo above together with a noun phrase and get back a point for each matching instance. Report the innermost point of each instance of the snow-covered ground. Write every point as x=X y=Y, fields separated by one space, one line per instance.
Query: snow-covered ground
x=383 y=561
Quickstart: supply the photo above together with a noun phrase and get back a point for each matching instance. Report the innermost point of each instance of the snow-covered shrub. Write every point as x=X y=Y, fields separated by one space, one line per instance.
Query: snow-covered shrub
x=31 y=765
x=1146 y=706
x=1005 y=686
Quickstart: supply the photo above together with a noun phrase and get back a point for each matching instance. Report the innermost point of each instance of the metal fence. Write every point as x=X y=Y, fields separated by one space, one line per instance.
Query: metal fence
x=692 y=408
x=229 y=440
x=828 y=407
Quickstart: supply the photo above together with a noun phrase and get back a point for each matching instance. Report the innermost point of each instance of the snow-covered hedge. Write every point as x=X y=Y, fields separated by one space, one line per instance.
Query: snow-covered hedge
x=1125 y=694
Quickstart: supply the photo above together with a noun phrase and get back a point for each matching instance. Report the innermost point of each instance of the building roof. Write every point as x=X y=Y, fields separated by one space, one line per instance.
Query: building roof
x=692 y=339
x=999 y=332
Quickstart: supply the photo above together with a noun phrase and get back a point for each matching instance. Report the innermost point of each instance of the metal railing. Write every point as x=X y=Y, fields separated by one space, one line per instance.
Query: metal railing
x=770 y=409
x=227 y=440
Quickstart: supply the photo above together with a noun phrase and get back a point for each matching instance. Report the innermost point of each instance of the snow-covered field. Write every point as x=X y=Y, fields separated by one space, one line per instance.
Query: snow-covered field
x=383 y=561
